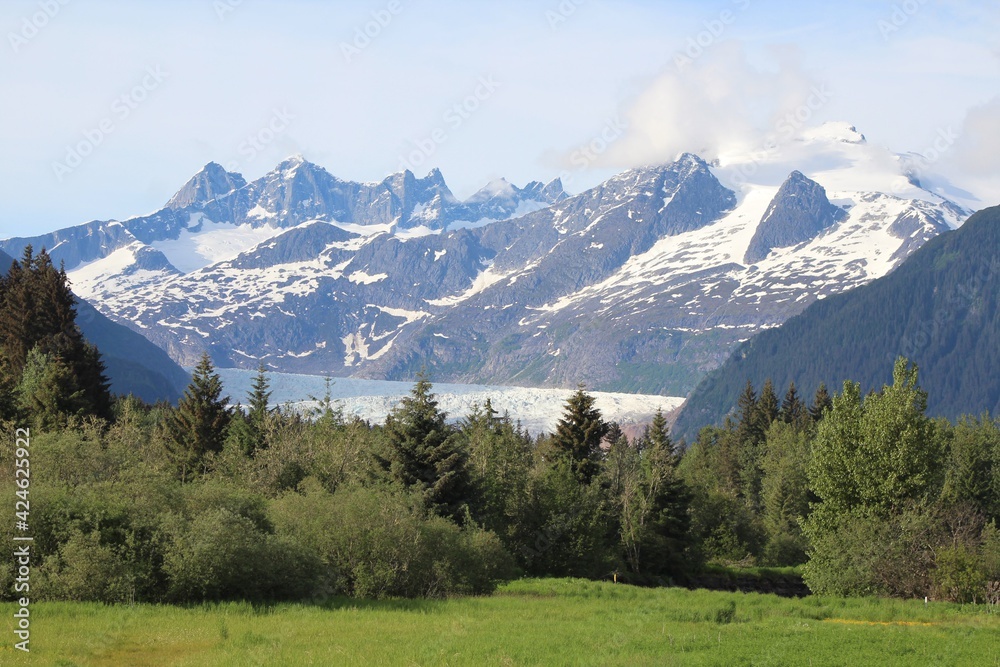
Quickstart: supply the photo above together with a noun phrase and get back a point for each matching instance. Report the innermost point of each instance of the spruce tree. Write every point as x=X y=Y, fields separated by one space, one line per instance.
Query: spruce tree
x=792 y=410
x=821 y=403
x=767 y=406
x=198 y=424
x=657 y=436
x=425 y=455
x=748 y=429
x=579 y=434
x=257 y=409
x=38 y=311
x=49 y=392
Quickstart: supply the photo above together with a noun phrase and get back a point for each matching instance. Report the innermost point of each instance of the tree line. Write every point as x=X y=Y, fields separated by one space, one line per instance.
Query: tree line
x=208 y=500
x=867 y=492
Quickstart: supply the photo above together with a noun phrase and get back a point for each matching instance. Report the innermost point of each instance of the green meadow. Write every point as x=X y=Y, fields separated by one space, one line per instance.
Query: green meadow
x=527 y=622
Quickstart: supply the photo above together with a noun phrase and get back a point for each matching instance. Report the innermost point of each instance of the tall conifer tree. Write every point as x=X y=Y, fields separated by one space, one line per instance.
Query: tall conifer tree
x=579 y=434
x=198 y=425
x=425 y=455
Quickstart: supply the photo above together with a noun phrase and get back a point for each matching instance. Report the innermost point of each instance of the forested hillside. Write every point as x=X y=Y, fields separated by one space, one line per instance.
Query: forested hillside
x=940 y=308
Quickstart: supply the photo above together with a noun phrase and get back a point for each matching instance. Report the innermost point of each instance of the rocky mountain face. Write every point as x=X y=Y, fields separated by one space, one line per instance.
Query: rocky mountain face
x=940 y=309
x=797 y=214
x=645 y=282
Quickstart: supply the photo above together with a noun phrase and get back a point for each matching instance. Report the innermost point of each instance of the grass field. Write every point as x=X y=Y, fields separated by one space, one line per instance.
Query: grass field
x=530 y=622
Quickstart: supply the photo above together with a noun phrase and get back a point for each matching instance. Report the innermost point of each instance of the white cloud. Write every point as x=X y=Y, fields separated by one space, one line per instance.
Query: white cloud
x=978 y=148
x=719 y=102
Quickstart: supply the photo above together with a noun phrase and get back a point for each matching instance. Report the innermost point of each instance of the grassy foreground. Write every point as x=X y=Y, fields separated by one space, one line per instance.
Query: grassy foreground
x=530 y=622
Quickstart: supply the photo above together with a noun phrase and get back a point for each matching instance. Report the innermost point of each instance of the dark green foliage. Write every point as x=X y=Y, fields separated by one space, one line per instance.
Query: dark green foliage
x=258 y=410
x=768 y=408
x=377 y=543
x=39 y=334
x=198 y=425
x=49 y=393
x=792 y=409
x=785 y=495
x=219 y=554
x=426 y=456
x=659 y=513
x=876 y=498
x=568 y=527
x=821 y=403
x=724 y=528
x=940 y=308
x=973 y=464
x=500 y=459
x=579 y=435
x=749 y=429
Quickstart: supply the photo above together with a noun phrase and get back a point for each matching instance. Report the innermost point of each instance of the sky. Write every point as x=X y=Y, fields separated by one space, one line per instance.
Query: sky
x=108 y=108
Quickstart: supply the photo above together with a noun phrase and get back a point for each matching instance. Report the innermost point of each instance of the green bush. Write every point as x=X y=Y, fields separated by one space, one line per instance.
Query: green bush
x=957 y=575
x=86 y=570
x=569 y=527
x=378 y=543
x=222 y=555
x=865 y=553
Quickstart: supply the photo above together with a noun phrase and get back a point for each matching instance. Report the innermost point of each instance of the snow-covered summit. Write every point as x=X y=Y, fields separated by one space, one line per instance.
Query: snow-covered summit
x=838 y=157
x=644 y=281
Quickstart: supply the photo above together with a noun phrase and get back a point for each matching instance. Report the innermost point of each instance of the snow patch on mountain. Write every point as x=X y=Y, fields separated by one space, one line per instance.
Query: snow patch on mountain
x=115 y=273
x=205 y=242
x=835 y=155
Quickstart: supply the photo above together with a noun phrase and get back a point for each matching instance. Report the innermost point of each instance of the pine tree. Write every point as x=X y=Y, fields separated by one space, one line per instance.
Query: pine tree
x=767 y=407
x=792 y=410
x=258 y=409
x=748 y=426
x=821 y=403
x=657 y=435
x=425 y=455
x=38 y=311
x=198 y=425
x=579 y=434
x=49 y=392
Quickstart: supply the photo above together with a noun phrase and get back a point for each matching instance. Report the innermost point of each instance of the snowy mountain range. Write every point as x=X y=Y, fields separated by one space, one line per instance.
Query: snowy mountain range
x=643 y=283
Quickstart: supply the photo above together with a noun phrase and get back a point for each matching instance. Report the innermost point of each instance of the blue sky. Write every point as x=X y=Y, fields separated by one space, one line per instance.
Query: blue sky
x=109 y=107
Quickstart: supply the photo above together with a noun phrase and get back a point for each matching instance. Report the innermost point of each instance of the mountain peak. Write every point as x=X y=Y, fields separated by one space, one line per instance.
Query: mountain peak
x=293 y=162
x=211 y=182
x=550 y=193
x=835 y=131
x=798 y=213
